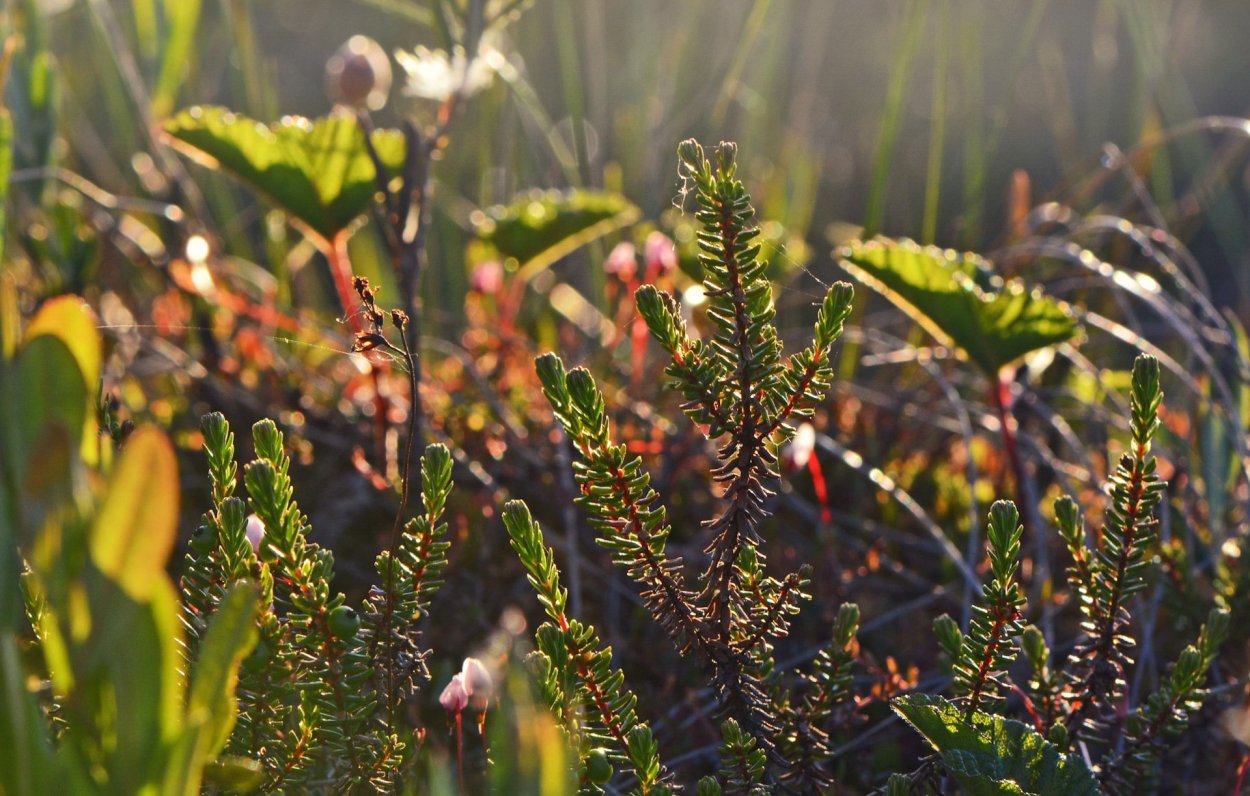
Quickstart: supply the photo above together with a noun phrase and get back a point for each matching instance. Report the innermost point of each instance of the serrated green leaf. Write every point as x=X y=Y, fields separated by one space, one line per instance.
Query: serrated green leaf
x=540 y=227
x=959 y=301
x=993 y=755
x=317 y=170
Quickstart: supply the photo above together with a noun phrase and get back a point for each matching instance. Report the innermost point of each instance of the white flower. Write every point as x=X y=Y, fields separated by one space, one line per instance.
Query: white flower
x=255 y=532
x=435 y=75
x=478 y=683
x=803 y=446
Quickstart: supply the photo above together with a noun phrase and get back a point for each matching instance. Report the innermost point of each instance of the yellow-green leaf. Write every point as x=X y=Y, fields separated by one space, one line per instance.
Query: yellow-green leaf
x=70 y=320
x=234 y=774
x=134 y=530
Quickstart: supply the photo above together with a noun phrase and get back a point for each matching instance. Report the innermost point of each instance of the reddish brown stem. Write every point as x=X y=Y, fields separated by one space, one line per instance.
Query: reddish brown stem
x=460 y=750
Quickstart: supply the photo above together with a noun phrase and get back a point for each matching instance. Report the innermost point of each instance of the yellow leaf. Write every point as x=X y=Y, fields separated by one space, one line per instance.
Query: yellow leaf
x=135 y=528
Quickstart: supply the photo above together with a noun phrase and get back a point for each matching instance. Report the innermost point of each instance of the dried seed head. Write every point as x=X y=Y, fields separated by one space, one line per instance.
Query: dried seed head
x=359 y=74
x=367 y=341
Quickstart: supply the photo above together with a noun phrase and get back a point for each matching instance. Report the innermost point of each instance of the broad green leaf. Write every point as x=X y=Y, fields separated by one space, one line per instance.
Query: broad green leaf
x=70 y=320
x=992 y=755
x=958 y=300
x=46 y=418
x=135 y=527
x=133 y=657
x=24 y=752
x=540 y=227
x=211 y=707
x=230 y=637
x=319 y=171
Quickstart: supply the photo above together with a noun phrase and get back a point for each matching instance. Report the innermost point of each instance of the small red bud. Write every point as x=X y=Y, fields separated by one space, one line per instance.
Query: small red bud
x=359 y=74
x=487 y=278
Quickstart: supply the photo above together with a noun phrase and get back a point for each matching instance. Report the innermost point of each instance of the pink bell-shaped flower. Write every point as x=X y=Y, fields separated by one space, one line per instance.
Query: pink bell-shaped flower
x=477 y=683
x=455 y=696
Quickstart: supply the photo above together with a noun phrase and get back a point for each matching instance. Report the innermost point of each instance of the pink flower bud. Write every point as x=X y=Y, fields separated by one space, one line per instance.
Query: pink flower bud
x=486 y=278
x=454 y=697
x=621 y=262
x=255 y=532
x=660 y=254
x=477 y=683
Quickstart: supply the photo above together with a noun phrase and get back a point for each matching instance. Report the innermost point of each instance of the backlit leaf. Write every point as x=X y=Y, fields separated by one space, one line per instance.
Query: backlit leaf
x=958 y=300
x=318 y=170
x=135 y=527
x=540 y=227
x=992 y=755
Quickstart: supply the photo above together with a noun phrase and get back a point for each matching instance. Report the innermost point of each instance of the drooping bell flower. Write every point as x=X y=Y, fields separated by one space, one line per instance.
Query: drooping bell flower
x=486 y=278
x=359 y=74
x=477 y=683
x=255 y=532
x=455 y=696
x=622 y=262
x=660 y=254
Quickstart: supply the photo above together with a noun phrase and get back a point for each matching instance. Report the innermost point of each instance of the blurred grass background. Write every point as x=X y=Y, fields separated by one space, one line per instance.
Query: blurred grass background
x=908 y=118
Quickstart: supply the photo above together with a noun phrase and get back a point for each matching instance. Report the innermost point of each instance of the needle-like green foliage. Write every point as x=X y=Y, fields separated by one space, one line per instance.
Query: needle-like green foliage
x=988 y=648
x=319 y=698
x=577 y=672
x=742 y=393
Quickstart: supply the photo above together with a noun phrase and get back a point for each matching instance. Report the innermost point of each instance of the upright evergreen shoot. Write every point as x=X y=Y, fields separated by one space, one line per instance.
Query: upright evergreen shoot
x=988 y=648
x=319 y=697
x=742 y=393
x=1109 y=575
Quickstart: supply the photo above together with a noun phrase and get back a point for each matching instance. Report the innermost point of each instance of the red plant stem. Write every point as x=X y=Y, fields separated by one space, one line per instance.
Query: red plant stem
x=460 y=749
x=637 y=351
x=1241 y=773
x=821 y=489
x=335 y=251
x=983 y=671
